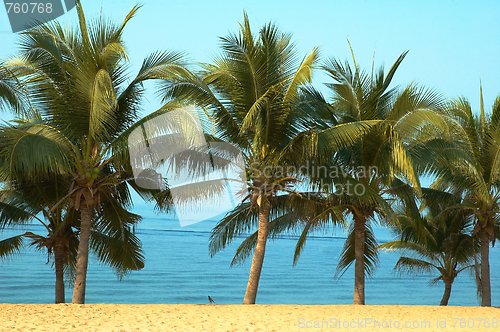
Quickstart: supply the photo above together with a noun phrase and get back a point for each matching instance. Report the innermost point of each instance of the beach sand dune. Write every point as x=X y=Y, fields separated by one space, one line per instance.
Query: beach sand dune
x=239 y=318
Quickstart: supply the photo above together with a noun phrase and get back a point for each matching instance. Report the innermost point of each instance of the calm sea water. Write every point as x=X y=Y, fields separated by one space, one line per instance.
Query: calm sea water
x=179 y=270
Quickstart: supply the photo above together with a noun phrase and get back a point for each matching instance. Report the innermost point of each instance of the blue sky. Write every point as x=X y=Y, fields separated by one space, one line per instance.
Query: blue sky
x=452 y=44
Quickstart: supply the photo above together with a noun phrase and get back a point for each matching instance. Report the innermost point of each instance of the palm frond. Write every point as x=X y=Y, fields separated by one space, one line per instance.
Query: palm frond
x=12 y=92
x=348 y=257
x=11 y=246
x=120 y=250
x=412 y=265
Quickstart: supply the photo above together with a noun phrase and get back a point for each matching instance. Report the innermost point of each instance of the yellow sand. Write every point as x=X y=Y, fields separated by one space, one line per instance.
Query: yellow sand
x=238 y=318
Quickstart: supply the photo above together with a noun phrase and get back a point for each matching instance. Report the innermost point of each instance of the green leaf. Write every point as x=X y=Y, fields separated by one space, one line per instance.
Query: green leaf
x=11 y=246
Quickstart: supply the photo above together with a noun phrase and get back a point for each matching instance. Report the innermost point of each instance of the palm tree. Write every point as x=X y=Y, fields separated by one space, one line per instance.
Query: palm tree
x=76 y=80
x=471 y=166
x=380 y=164
x=25 y=200
x=122 y=252
x=439 y=241
x=255 y=94
x=23 y=206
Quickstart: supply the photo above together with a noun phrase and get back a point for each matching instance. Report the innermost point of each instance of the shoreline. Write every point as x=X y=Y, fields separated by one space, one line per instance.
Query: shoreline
x=213 y=317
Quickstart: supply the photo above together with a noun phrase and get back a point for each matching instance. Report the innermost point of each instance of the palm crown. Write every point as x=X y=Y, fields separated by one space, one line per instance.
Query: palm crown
x=379 y=163
x=438 y=241
x=256 y=93
x=78 y=85
x=468 y=167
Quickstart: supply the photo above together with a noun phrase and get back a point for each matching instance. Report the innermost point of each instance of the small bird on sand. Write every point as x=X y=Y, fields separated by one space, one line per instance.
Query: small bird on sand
x=210 y=299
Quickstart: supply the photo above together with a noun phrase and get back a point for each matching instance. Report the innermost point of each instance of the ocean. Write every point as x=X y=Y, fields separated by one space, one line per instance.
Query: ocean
x=179 y=270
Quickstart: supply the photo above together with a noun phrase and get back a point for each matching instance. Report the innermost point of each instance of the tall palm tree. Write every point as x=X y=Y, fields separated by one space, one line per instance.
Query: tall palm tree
x=471 y=166
x=77 y=81
x=255 y=94
x=439 y=241
x=379 y=165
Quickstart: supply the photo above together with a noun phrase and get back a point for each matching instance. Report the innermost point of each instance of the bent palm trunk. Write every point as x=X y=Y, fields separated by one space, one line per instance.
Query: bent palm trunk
x=59 y=264
x=447 y=292
x=359 y=265
x=258 y=256
x=485 y=268
x=83 y=255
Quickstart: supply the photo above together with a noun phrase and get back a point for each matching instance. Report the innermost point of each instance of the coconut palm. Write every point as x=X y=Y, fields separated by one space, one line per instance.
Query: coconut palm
x=22 y=207
x=439 y=241
x=77 y=82
x=471 y=166
x=26 y=200
x=118 y=248
x=255 y=93
x=379 y=165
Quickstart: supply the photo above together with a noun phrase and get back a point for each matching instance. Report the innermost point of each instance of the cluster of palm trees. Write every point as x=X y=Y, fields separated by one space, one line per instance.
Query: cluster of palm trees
x=65 y=161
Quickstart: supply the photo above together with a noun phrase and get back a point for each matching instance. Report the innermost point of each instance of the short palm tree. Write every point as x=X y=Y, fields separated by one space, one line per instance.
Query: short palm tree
x=439 y=241
x=27 y=200
x=255 y=94
x=120 y=249
x=23 y=206
x=77 y=82
x=471 y=166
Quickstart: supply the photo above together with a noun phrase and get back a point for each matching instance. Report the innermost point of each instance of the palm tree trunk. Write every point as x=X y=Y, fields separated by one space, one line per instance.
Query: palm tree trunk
x=359 y=265
x=476 y=267
x=258 y=256
x=59 y=264
x=83 y=255
x=447 y=292
x=485 y=268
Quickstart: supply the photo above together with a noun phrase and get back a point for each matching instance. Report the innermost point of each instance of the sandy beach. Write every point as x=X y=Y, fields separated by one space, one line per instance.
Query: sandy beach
x=111 y=317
